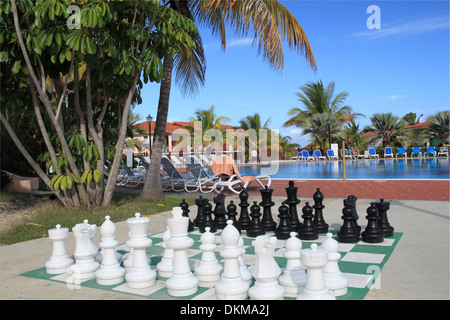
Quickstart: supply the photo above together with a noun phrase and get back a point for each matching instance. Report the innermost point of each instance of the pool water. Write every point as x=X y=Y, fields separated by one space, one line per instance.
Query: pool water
x=421 y=168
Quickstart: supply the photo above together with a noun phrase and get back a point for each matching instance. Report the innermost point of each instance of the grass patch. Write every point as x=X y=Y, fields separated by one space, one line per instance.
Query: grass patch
x=122 y=207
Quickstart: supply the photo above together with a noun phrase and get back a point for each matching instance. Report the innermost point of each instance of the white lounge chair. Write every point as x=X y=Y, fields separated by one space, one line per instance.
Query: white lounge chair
x=416 y=151
x=401 y=152
x=318 y=155
x=130 y=178
x=173 y=180
x=306 y=156
x=443 y=151
x=373 y=153
x=430 y=150
x=388 y=152
x=297 y=157
x=331 y=155
x=200 y=179
x=346 y=155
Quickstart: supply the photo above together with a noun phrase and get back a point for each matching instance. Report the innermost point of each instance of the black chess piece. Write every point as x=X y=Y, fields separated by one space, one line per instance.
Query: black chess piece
x=256 y=227
x=267 y=204
x=220 y=217
x=383 y=223
x=348 y=232
x=244 y=218
x=351 y=200
x=292 y=202
x=308 y=230
x=232 y=212
x=207 y=220
x=284 y=228
x=372 y=233
x=200 y=202
x=185 y=207
x=318 y=206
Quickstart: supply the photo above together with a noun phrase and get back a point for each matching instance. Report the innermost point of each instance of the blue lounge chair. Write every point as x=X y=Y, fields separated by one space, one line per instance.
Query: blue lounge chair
x=346 y=155
x=297 y=157
x=430 y=150
x=331 y=155
x=401 y=152
x=443 y=151
x=318 y=155
x=416 y=152
x=373 y=153
x=130 y=178
x=306 y=156
x=388 y=152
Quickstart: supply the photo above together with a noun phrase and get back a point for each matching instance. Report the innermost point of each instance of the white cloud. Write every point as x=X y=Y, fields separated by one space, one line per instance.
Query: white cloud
x=394 y=97
x=239 y=42
x=296 y=131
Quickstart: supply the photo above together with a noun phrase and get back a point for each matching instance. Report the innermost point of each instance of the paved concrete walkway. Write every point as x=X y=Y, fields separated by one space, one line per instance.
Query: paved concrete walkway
x=417 y=269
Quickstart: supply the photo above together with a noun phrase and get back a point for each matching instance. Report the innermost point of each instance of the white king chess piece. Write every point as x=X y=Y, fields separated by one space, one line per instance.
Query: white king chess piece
x=59 y=261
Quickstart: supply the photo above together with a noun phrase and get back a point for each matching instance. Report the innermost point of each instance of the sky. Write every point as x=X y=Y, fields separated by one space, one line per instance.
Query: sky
x=401 y=67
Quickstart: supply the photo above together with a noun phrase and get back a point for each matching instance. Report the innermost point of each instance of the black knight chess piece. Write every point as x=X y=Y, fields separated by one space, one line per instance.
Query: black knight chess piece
x=348 y=232
x=232 y=212
x=318 y=206
x=207 y=220
x=351 y=200
x=199 y=202
x=244 y=218
x=256 y=227
x=372 y=233
x=284 y=228
x=267 y=204
x=308 y=230
x=185 y=207
x=292 y=201
x=220 y=217
x=383 y=223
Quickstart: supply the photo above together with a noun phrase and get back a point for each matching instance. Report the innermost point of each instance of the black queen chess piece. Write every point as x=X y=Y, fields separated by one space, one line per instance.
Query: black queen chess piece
x=244 y=218
x=308 y=230
x=383 y=223
x=372 y=233
x=232 y=212
x=207 y=220
x=292 y=201
x=220 y=217
x=318 y=206
x=284 y=227
x=256 y=227
x=348 y=232
x=267 y=204
x=199 y=202
x=185 y=208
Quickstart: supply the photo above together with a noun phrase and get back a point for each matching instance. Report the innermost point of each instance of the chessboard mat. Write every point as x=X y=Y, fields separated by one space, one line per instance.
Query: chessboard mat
x=361 y=263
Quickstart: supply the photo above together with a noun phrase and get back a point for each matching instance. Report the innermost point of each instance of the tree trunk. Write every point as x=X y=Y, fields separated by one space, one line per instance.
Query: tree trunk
x=152 y=188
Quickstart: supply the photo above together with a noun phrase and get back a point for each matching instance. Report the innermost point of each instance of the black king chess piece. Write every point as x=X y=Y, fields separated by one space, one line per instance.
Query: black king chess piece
x=185 y=207
x=284 y=228
x=267 y=204
x=348 y=232
x=219 y=211
x=292 y=201
x=232 y=212
x=383 y=207
x=318 y=206
x=351 y=200
x=207 y=220
x=308 y=230
x=244 y=218
x=256 y=227
x=372 y=233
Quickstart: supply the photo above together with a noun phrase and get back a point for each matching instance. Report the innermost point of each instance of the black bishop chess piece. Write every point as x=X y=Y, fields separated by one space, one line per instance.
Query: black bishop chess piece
x=383 y=223
x=348 y=232
x=372 y=233
x=256 y=227
x=267 y=204
x=318 y=206
x=232 y=212
x=207 y=220
x=244 y=218
x=199 y=202
x=185 y=207
x=308 y=230
x=284 y=228
x=220 y=217
x=351 y=200
x=292 y=201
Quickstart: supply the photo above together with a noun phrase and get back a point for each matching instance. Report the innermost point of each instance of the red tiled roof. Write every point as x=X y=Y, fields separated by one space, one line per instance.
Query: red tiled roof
x=421 y=125
x=171 y=126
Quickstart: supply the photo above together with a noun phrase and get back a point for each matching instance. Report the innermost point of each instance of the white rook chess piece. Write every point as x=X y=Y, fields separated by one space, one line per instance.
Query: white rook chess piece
x=334 y=280
x=165 y=266
x=85 y=251
x=140 y=275
x=110 y=271
x=266 y=270
x=209 y=268
x=59 y=261
x=231 y=285
x=314 y=259
x=182 y=281
x=293 y=278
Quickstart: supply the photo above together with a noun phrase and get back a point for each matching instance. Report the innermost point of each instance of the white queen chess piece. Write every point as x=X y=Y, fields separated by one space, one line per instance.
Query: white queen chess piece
x=293 y=278
x=165 y=266
x=334 y=280
x=209 y=268
x=59 y=261
x=85 y=251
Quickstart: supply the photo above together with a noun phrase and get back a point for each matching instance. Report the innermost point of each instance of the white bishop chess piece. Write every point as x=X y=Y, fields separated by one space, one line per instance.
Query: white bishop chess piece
x=334 y=280
x=85 y=251
x=110 y=271
x=59 y=261
x=266 y=270
x=165 y=266
x=209 y=268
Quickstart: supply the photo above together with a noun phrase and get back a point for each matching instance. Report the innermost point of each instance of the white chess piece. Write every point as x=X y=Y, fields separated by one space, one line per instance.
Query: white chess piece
x=293 y=278
x=59 y=261
x=266 y=270
x=209 y=268
x=334 y=280
x=140 y=275
x=231 y=285
x=314 y=259
x=182 y=281
x=110 y=271
x=245 y=273
x=165 y=266
x=85 y=251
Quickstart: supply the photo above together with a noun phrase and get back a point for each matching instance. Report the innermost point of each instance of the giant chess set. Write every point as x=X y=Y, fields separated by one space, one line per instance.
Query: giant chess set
x=231 y=252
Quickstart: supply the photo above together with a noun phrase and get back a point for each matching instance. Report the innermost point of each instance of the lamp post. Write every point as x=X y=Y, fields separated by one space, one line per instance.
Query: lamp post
x=149 y=120
x=329 y=133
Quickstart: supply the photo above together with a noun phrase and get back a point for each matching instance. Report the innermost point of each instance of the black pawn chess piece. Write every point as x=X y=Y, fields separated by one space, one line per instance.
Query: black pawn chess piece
x=372 y=233
x=267 y=204
x=244 y=218
x=185 y=207
x=232 y=212
x=292 y=202
x=308 y=230
x=383 y=223
x=200 y=202
x=207 y=220
x=348 y=232
x=256 y=227
x=351 y=200
x=284 y=228
x=318 y=206
x=220 y=217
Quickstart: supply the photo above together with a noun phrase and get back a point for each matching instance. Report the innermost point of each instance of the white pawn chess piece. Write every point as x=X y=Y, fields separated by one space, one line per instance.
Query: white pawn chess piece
x=314 y=259
x=182 y=281
x=265 y=271
x=59 y=261
x=245 y=273
x=231 y=285
x=334 y=280
x=140 y=275
x=165 y=266
x=209 y=268
x=110 y=271
x=85 y=252
x=293 y=278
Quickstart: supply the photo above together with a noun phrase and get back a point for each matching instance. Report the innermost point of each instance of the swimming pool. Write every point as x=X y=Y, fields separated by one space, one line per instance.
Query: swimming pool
x=421 y=168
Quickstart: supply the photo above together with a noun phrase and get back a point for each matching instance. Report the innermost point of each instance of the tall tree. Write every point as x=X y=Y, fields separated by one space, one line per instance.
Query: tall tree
x=440 y=126
x=385 y=125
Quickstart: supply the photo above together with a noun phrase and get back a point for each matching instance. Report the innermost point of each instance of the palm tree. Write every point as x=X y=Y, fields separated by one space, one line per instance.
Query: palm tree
x=385 y=125
x=411 y=118
x=440 y=127
x=316 y=125
x=270 y=22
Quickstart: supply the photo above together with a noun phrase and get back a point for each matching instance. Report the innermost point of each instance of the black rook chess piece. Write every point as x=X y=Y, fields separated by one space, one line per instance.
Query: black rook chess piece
x=308 y=230
x=267 y=204
x=256 y=227
x=318 y=206
x=185 y=207
x=200 y=202
x=292 y=202
x=244 y=218
x=348 y=232
x=207 y=220
x=284 y=228
x=231 y=209
x=219 y=211
x=351 y=200
x=372 y=233
x=383 y=223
